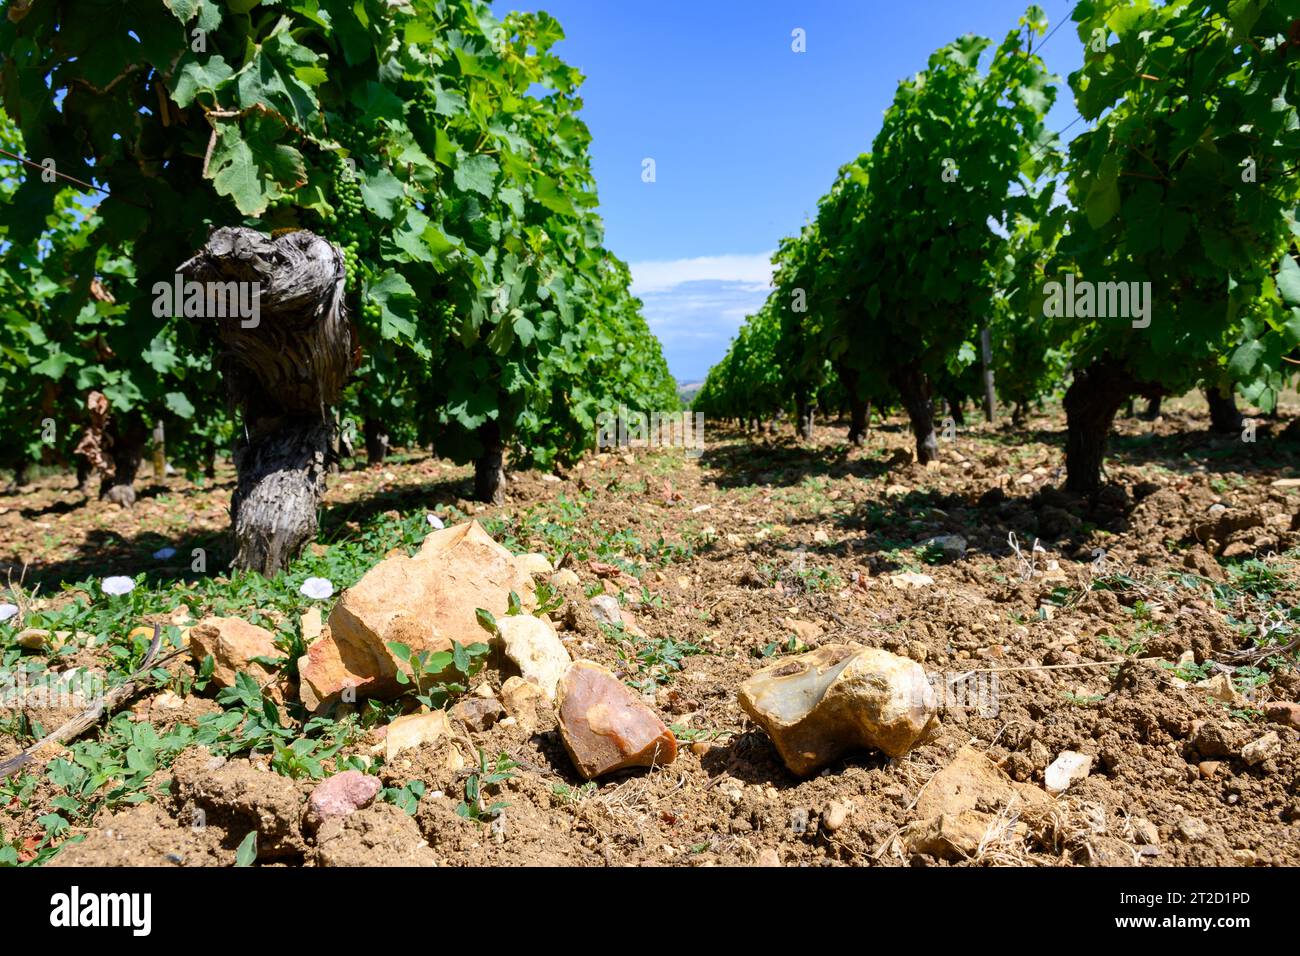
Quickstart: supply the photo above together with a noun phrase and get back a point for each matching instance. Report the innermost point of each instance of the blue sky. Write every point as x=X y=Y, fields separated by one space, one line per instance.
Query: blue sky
x=746 y=134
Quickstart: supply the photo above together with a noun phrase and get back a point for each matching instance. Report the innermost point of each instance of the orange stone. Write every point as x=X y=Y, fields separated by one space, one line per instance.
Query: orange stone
x=605 y=727
x=426 y=602
x=233 y=643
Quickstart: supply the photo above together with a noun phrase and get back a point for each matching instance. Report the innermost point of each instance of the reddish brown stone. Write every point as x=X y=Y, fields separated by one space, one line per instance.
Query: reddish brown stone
x=1283 y=712
x=605 y=727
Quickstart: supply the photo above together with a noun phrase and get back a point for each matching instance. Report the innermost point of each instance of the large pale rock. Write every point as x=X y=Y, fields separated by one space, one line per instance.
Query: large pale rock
x=379 y=835
x=312 y=625
x=1286 y=713
x=233 y=643
x=605 y=727
x=565 y=578
x=478 y=713
x=818 y=706
x=910 y=580
x=950 y=547
x=39 y=639
x=534 y=647
x=1220 y=687
x=606 y=610
x=425 y=602
x=959 y=835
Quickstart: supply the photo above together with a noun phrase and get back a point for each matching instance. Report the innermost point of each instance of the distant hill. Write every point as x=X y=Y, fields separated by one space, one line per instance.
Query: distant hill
x=686 y=391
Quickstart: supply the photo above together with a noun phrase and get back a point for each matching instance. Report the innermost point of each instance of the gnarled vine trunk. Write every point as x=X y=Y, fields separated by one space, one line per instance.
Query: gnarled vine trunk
x=986 y=361
x=85 y=477
x=1091 y=403
x=21 y=473
x=1153 y=409
x=914 y=390
x=284 y=366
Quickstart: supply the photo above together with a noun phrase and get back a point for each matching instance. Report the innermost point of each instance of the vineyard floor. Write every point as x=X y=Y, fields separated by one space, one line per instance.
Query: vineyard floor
x=727 y=562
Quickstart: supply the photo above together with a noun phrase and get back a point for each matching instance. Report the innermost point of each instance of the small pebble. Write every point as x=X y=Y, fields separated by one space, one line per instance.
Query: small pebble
x=835 y=816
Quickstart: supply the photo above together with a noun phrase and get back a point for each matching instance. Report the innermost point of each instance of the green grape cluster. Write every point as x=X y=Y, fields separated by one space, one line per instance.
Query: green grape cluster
x=350 y=224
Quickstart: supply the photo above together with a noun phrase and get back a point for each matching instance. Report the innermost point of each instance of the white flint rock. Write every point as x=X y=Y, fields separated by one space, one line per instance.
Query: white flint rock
x=532 y=644
x=1068 y=768
x=841 y=697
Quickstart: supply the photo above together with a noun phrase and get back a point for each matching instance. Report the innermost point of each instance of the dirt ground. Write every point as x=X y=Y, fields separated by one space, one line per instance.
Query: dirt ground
x=1150 y=629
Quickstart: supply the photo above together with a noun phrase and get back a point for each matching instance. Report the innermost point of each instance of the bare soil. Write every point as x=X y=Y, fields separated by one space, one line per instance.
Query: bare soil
x=788 y=545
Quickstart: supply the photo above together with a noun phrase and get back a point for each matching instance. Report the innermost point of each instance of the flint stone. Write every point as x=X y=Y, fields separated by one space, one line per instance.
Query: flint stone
x=818 y=706
x=605 y=727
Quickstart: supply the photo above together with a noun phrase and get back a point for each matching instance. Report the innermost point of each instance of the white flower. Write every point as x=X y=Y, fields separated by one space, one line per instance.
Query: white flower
x=162 y=554
x=7 y=611
x=118 y=584
x=318 y=588
x=436 y=522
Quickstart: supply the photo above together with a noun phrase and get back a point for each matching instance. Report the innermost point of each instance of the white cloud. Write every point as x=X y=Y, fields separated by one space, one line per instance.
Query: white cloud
x=661 y=275
x=696 y=319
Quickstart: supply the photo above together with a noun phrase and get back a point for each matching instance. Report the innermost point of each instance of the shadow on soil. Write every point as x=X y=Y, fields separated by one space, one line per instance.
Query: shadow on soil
x=106 y=552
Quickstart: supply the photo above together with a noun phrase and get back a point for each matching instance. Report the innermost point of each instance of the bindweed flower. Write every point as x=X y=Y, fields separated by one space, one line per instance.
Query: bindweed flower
x=162 y=554
x=436 y=522
x=318 y=588
x=117 y=585
x=7 y=611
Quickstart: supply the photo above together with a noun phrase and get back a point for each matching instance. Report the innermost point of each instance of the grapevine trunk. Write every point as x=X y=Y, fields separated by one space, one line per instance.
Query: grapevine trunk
x=804 y=411
x=914 y=390
x=489 y=467
x=376 y=441
x=860 y=413
x=1224 y=416
x=127 y=453
x=1091 y=403
x=284 y=368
